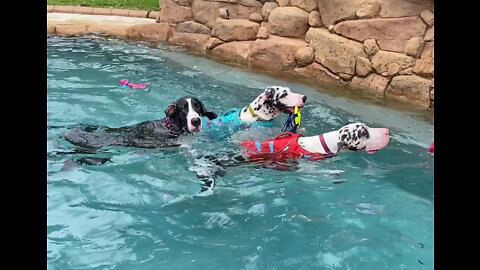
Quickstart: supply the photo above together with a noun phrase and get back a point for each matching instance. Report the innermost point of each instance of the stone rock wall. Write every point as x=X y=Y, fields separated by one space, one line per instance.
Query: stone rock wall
x=382 y=45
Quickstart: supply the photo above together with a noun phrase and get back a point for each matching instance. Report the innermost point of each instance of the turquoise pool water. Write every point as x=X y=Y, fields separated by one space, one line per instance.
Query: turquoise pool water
x=141 y=210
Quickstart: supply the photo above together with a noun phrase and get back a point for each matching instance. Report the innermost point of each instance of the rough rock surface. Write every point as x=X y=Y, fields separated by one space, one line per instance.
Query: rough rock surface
x=363 y=67
x=414 y=46
x=275 y=53
x=317 y=71
x=429 y=35
x=368 y=9
x=235 y=29
x=334 y=52
x=174 y=13
x=304 y=56
x=233 y=52
x=314 y=19
x=262 y=33
x=370 y=46
x=213 y=42
x=288 y=22
x=372 y=81
x=410 y=86
x=193 y=27
x=333 y=11
x=425 y=65
x=390 y=34
x=205 y=12
x=307 y=5
x=267 y=8
x=195 y=41
x=391 y=63
x=283 y=3
x=396 y=8
x=255 y=17
x=157 y=31
x=427 y=17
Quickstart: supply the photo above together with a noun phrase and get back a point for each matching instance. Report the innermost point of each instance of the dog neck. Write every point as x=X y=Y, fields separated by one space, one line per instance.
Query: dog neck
x=313 y=143
x=250 y=113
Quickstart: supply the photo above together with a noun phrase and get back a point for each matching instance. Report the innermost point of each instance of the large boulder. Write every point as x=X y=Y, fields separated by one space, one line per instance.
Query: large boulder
x=233 y=52
x=314 y=19
x=193 y=27
x=250 y=3
x=275 y=53
x=304 y=56
x=391 y=34
x=337 y=53
x=363 y=67
x=403 y=8
x=172 y=12
x=391 y=63
x=373 y=81
x=414 y=46
x=288 y=22
x=427 y=17
x=318 y=72
x=197 y=42
x=429 y=35
x=235 y=30
x=307 y=5
x=333 y=11
x=370 y=46
x=206 y=12
x=368 y=9
x=157 y=31
x=267 y=8
x=412 y=87
x=425 y=65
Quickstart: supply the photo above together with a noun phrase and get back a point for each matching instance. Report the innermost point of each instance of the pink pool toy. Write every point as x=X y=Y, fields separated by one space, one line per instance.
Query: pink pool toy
x=125 y=83
x=431 y=148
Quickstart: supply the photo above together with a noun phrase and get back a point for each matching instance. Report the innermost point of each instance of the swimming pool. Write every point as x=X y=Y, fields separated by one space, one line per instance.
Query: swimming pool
x=141 y=210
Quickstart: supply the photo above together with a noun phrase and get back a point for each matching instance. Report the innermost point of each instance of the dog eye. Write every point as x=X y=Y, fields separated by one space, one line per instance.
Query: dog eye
x=283 y=95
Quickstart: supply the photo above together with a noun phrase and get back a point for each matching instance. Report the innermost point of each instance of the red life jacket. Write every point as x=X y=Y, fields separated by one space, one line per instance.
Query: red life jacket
x=284 y=146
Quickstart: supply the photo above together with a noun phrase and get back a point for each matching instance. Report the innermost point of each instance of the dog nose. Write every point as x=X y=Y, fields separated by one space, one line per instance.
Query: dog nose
x=387 y=131
x=304 y=99
x=196 y=122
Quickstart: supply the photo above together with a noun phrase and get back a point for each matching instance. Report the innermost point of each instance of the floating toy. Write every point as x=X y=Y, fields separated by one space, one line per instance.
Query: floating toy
x=124 y=83
x=431 y=148
x=293 y=121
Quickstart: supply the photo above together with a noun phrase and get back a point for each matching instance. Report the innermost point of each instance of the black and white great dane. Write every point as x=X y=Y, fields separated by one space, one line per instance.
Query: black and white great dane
x=265 y=107
x=289 y=147
x=182 y=117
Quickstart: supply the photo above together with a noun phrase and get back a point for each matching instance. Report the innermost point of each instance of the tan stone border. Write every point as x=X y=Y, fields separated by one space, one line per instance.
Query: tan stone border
x=104 y=11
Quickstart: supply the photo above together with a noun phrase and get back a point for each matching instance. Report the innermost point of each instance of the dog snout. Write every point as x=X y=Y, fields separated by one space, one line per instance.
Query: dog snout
x=196 y=122
x=386 y=131
x=304 y=98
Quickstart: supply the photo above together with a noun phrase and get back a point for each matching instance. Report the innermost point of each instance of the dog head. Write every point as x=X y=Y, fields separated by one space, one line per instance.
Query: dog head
x=275 y=100
x=360 y=137
x=185 y=114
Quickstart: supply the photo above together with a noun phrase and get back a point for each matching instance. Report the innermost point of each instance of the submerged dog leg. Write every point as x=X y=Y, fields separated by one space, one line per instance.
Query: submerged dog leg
x=208 y=168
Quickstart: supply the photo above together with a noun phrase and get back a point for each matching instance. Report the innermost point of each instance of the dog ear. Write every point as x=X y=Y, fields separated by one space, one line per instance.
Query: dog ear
x=267 y=95
x=210 y=115
x=171 y=109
